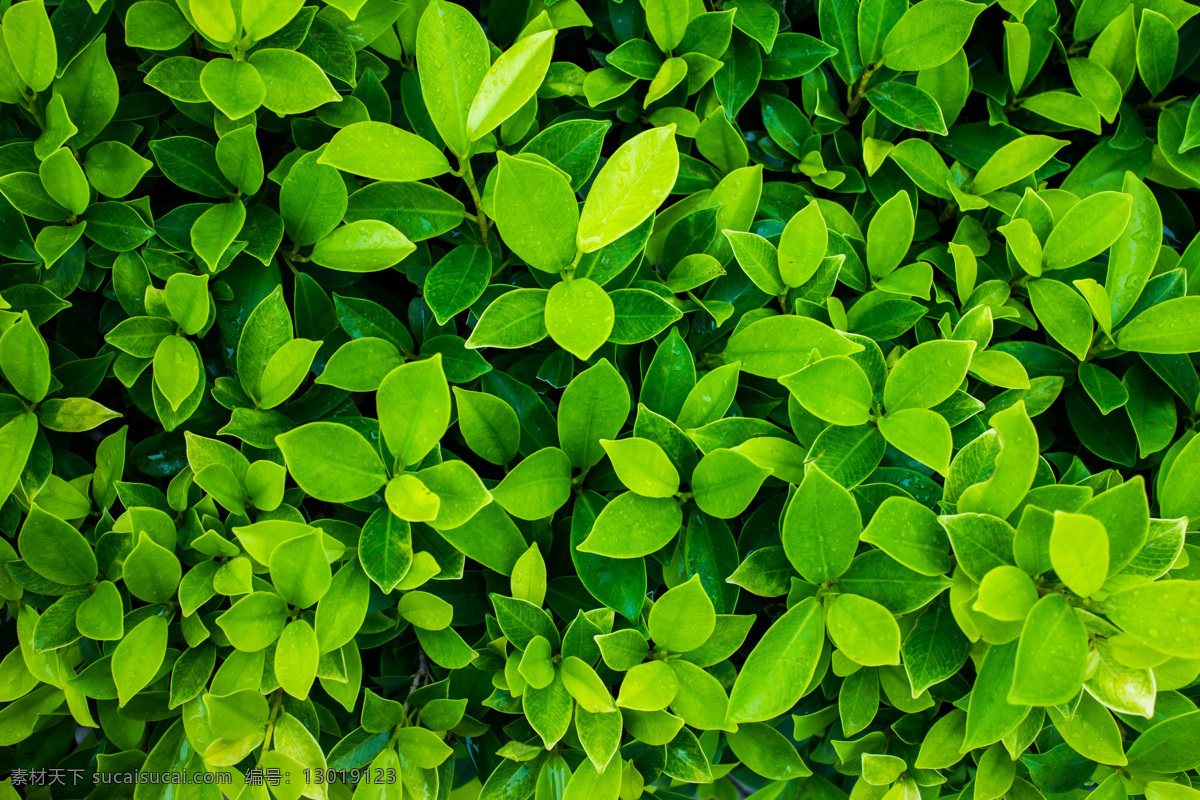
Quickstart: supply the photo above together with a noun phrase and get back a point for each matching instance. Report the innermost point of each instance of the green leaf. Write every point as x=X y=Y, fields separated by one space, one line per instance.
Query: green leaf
x=1161 y=614
x=188 y=301
x=300 y=571
x=514 y=319
x=1168 y=746
x=488 y=424
x=683 y=618
x=360 y=318
x=460 y=493
x=24 y=191
x=648 y=687
x=151 y=572
x=593 y=407
x=890 y=234
x=411 y=500
x=802 y=246
x=1180 y=490
x=25 y=359
x=509 y=83
x=710 y=398
x=821 y=505
x=759 y=259
x=191 y=164
x=864 y=631
x=767 y=752
x=1091 y=731
x=909 y=533
x=779 y=345
x=586 y=686
x=908 y=106
x=424 y=747
x=312 y=200
x=52 y=243
x=1006 y=594
x=177 y=369
x=929 y=34
x=154 y=26
x=935 y=649
x=629 y=188
x=296 y=659
x=1132 y=257
x=261 y=18
x=254 y=621
x=1064 y=313
x=31 y=43
x=341 y=611
x=234 y=87
x=426 y=611
x=834 y=389
x=536 y=213
x=579 y=316
x=453 y=56
x=294 y=83
x=362 y=246
x=668 y=22
x=536 y=487
x=178 y=77
x=414 y=408
x=138 y=657
x=215 y=230
x=990 y=717
x=928 y=374
x=236 y=714
x=640 y=315
x=700 y=700
x=64 y=180
x=528 y=579
x=642 y=466
x=1167 y=328
x=922 y=434
x=921 y=162
x=725 y=482
x=383 y=152
x=1089 y=228
x=1016 y=466
x=457 y=280
x=385 y=549
x=1052 y=655
x=216 y=20
x=55 y=550
x=331 y=461
x=1014 y=161
x=100 y=616
x=268 y=328
x=795 y=55
x=981 y=542
x=1157 y=49
x=572 y=146
x=285 y=371
x=114 y=168
x=632 y=526
x=1079 y=552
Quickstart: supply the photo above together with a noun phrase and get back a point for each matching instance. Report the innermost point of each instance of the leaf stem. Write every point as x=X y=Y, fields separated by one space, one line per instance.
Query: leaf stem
x=464 y=168
x=29 y=103
x=276 y=705
x=861 y=88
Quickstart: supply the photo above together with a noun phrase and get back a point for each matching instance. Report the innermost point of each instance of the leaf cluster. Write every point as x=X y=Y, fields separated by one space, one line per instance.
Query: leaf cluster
x=597 y=399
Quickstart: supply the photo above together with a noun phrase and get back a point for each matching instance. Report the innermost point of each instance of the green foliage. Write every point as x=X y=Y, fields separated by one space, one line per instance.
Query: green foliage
x=597 y=399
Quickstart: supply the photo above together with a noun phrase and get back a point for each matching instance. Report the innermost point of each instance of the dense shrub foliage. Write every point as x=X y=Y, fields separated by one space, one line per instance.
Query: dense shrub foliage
x=589 y=399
